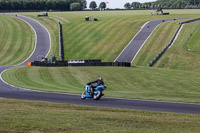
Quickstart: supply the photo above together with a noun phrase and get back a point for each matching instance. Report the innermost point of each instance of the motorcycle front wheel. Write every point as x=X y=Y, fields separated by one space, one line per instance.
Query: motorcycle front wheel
x=83 y=96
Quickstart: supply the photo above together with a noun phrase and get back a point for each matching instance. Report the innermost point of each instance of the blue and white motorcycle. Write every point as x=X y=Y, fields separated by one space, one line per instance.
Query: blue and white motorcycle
x=97 y=92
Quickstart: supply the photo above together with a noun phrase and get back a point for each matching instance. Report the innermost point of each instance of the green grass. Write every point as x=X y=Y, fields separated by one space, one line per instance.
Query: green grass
x=104 y=39
x=29 y=116
x=133 y=83
x=185 y=52
x=16 y=41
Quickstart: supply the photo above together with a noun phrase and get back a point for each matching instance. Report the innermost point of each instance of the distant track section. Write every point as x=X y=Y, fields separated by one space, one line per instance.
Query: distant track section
x=43 y=40
x=132 y=49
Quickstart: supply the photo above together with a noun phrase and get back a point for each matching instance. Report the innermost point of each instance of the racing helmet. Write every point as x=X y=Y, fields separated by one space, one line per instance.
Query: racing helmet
x=100 y=78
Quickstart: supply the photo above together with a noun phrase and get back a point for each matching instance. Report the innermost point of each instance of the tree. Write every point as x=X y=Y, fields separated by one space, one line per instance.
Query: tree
x=135 y=5
x=75 y=6
x=83 y=4
x=127 y=6
x=102 y=6
x=93 y=5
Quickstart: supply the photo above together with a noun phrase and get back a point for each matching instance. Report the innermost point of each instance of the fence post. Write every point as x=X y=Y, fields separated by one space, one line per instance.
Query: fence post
x=61 y=47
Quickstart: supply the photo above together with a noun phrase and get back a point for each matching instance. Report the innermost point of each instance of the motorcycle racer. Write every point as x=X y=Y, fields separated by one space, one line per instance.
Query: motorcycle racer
x=94 y=84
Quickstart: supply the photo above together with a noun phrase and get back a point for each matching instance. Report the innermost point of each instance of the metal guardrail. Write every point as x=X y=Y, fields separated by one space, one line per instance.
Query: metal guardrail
x=170 y=43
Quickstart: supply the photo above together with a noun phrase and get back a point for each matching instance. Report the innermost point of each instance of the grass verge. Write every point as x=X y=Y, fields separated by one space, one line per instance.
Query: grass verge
x=30 y=116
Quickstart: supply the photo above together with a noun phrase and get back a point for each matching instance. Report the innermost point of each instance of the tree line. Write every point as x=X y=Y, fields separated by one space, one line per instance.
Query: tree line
x=62 y=5
x=77 y=5
x=166 y=4
x=93 y=5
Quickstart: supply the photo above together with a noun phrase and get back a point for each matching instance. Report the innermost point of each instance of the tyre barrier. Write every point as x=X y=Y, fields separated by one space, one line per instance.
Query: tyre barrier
x=78 y=61
x=167 y=13
x=42 y=15
x=79 y=64
x=61 y=47
x=189 y=21
x=170 y=43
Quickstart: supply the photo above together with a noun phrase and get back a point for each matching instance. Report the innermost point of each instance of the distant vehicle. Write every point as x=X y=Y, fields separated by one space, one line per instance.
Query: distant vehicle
x=96 y=94
x=43 y=14
x=160 y=10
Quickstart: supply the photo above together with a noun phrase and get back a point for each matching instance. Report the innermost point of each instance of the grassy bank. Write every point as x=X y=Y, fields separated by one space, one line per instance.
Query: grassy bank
x=155 y=44
x=29 y=116
x=183 y=55
x=185 y=52
x=16 y=41
x=104 y=39
x=134 y=83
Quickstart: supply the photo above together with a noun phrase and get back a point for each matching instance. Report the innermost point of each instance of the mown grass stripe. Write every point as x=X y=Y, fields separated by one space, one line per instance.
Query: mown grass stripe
x=94 y=43
x=60 y=19
x=3 y=32
x=16 y=44
x=117 y=39
x=86 y=49
x=8 y=40
x=12 y=49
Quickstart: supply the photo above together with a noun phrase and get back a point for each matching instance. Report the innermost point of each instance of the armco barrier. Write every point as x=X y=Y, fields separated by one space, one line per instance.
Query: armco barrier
x=170 y=43
x=61 y=47
x=89 y=63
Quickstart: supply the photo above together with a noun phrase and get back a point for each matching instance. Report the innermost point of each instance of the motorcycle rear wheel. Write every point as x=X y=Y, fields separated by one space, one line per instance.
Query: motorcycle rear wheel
x=98 y=95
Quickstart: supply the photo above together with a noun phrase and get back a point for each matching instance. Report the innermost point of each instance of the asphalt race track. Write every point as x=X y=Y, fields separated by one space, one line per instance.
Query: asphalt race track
x=132 y=49
x=42 y=48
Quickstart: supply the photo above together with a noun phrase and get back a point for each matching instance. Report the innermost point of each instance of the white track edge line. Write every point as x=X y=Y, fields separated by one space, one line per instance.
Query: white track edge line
x=132 y=40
